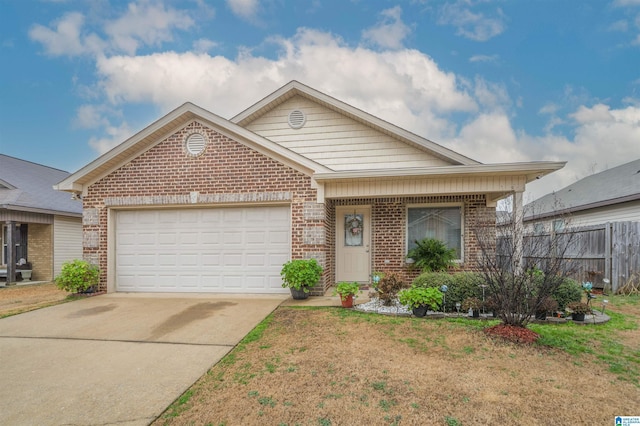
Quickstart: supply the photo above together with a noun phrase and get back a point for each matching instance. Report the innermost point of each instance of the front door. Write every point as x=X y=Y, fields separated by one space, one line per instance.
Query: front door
x=353 y=233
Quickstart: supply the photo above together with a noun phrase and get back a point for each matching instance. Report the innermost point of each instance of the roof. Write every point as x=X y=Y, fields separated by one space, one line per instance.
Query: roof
x=294 y=88
x=235 y=129
x=27 y=186
x=164 y=127
x=617 y=185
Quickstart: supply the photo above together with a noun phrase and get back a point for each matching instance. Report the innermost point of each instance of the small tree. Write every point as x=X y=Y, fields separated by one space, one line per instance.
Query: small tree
x=77 y=276
x=522 y=269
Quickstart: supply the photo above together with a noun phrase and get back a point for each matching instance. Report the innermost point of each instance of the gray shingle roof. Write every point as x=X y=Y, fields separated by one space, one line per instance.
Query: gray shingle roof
x=611 y=186
x=29 y=186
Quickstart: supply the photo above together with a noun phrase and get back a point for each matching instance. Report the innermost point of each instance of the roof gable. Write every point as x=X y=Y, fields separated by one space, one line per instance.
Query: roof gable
x=296 y=89
x=337 y=141
x=169 y=124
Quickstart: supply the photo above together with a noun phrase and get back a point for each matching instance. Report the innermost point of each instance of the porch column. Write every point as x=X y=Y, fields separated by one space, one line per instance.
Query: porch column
x=518 y=234
x=11 y=250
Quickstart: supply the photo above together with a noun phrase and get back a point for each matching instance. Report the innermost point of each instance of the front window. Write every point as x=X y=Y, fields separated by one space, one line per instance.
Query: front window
x=441 y=223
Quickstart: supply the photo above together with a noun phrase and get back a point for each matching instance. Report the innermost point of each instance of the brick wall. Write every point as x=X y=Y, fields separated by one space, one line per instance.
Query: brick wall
x=40 y=243
x=389 y=221
x=167 y=175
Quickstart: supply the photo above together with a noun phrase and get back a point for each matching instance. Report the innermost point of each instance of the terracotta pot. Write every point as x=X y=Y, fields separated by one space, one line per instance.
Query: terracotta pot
x=348 y=302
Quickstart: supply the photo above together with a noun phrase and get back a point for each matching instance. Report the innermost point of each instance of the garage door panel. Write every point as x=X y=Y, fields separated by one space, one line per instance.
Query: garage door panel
x=210 y=250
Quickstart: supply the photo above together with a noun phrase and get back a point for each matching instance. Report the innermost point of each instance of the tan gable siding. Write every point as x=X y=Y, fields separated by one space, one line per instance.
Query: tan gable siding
x=337 y=141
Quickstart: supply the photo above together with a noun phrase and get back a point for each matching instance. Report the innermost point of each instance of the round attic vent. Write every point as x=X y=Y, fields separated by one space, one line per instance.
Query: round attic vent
x=297 y=119
x=195 y=144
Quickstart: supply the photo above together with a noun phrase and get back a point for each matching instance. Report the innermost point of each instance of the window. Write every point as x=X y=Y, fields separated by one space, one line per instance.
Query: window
x=538 y=228
x=558 y=225
x=442 y=223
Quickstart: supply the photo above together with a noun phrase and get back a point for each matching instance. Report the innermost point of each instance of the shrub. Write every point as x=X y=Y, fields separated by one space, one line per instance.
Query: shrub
x=460 y=285
x=431 y=255
x=415 y=297
x=77 y=276
x=567 y=292
x=300 y=274
x=389 y=287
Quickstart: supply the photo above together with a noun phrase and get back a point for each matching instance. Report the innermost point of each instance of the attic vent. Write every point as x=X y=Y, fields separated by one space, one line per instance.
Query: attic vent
x=297 y=119
x=195 y=144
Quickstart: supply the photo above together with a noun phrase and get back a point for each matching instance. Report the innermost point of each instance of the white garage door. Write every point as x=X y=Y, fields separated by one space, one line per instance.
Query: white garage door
x=222 y=250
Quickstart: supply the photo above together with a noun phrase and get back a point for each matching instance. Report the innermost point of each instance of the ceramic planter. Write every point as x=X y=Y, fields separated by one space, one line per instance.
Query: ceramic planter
x=298 y=294
x=420 y=311
x=577 y=317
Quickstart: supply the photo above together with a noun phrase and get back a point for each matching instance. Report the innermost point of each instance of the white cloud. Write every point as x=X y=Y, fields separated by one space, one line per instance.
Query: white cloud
x=622 y=26
x=115 y=135
x=474 y=26
x=623 y=3
x=64 y=39
x=245 y=9
x=484 y=58
x=390 y=32
x=145 y=23
x=549 y=108
x=203 y=45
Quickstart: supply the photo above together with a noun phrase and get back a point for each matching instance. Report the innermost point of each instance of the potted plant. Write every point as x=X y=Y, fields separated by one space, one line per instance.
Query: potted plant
x=546 y=305
x=473 y=304
x=347 y=291
x=420 y=299
x=578 y=310
x=299 y=275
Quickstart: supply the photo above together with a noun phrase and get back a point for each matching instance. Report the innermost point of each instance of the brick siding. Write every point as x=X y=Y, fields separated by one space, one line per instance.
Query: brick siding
x=167 y=175
x=40 y=243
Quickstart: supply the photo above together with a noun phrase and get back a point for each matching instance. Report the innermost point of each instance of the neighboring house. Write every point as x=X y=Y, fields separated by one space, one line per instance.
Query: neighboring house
x=609 y=196
x=44 y=226
x=198 y=203
x=603 y=212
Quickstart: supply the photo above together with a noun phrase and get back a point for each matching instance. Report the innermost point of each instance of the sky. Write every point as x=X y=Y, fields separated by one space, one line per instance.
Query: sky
x=499 y=81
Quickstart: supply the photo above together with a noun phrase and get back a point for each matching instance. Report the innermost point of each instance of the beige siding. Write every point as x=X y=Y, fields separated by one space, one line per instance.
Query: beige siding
x=624 y=212
x=337 y=141
x=397 y=187
x=67 y=241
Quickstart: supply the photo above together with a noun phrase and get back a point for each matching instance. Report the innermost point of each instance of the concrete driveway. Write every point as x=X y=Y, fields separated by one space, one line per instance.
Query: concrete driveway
x=116 y=358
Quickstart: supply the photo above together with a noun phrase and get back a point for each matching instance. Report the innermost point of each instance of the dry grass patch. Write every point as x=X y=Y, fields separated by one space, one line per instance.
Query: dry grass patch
x=333 y=366
x=23 y=298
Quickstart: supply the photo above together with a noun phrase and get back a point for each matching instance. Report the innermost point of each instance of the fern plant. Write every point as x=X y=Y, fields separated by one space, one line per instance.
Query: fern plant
x=432 y=255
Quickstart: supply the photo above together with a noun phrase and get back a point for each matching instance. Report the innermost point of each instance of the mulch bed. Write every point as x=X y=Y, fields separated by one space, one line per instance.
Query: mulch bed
x=512 y=333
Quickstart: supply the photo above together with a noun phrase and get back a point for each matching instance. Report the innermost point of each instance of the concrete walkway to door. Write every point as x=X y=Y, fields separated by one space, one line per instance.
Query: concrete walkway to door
x=117 y=358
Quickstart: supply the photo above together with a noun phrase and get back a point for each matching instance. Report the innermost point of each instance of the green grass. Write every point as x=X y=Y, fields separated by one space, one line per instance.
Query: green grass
x=601 y=341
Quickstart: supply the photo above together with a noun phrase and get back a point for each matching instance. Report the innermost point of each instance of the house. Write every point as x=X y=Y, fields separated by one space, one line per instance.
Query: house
x=198 y=203
x=603 y=211
x=609 y=196
x=44 y=226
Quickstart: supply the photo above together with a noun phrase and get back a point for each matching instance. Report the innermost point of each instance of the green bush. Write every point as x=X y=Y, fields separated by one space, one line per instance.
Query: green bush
x=301 y=274
x=568 y=291
x=77 y=276
x=460 y=286
x=415 y=297
x=432 y=255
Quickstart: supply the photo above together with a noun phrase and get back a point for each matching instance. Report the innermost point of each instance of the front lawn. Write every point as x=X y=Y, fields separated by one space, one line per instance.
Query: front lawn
x=331 y=366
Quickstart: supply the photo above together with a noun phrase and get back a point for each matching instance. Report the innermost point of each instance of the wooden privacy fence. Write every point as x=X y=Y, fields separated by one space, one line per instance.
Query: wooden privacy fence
x=591 y=253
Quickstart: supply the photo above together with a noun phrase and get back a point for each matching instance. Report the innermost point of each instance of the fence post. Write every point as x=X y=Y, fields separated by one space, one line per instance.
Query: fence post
x=607 y=254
